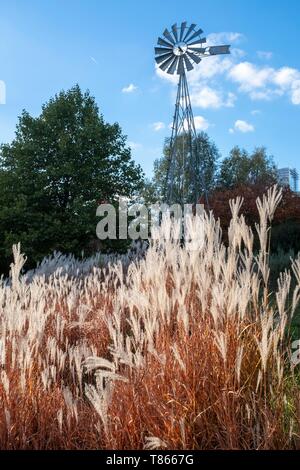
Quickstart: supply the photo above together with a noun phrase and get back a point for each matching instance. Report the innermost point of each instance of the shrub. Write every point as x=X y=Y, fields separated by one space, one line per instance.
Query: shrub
x=286 y=222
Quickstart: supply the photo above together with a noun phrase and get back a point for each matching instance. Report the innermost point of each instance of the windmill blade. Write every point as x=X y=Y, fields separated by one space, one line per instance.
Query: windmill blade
x=162 y=42
x=180 y=68
x=188 y=64
x=194 y=57
x=168 y=35
x=174 y=29
x=163 y=57
x=214 y=50
x=197 y=33
x=199 y=50
x=162 y=50
x=166 y=64
x=191 y=28
x=173 y=66
x=199 y=41
x=182 y=29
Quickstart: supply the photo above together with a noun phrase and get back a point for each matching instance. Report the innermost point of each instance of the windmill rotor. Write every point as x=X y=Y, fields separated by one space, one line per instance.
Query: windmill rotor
x=187 y=42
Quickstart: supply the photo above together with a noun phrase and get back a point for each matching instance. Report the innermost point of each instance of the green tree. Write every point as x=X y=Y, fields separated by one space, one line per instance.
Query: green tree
x=242 y=168
x=204 y=174
x=56 y=171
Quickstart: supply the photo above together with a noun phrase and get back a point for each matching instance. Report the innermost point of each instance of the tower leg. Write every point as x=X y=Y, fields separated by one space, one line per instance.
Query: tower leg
x=184 y=180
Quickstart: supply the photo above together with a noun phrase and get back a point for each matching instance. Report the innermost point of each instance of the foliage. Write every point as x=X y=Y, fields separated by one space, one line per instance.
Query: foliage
x=242 y=168
x=239 y=169
x=279 y=262
x=56 y=170
x=286 y=223
x=203 y=176
x=286 y=236
x=150 y=193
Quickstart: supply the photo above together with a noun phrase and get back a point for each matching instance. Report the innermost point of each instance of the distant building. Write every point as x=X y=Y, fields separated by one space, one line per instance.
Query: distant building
x=288 y=177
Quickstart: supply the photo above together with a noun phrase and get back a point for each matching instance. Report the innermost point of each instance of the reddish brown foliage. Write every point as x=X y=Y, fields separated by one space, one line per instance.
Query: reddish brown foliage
x=288 y=209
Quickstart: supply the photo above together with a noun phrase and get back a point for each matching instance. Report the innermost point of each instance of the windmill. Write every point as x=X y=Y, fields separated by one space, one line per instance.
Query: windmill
x=177 y=52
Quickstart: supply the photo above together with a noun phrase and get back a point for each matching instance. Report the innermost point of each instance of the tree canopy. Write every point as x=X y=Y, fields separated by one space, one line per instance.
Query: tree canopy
x=202 y=177
x=242 y=168
x=55 y=172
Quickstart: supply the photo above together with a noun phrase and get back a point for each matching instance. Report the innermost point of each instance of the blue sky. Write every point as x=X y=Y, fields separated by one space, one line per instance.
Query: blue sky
x=250 y=98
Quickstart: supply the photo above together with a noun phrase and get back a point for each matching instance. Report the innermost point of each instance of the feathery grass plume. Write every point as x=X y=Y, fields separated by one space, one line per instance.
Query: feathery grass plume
x=153 y=443
x=174 y=346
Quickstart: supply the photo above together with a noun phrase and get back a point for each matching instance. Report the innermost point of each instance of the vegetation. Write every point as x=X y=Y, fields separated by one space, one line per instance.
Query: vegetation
x=238 y=169
x=204 y=176
x=285 y=240
x=174 y=349
x=242 y=168
x=286 y=223
x=164 y=347
x=55 y=172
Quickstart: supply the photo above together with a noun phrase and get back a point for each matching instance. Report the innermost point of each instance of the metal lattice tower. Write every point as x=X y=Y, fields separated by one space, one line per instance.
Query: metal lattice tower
x=177 y=53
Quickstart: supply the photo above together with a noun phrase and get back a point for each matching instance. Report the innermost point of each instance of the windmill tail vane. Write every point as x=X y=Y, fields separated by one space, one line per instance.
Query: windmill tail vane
x=178 y=51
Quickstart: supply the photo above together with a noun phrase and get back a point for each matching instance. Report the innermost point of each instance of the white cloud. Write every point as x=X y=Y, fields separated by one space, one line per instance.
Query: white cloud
x=209 y=68
x=255 y=112
x=157 y=126
x=265 y=83
x=130 y=88
x=206 y=97
x=285 y=76
x=296 y=94
x=241 y=126
x=134 y=145
x=2 y=92
x=231 y=98
x=265 y=55
x=249 y=77
x=263 y=95
x=202 y=95
x=288 y=79
x=201 y=124
x=237 y=53
x=224 y=37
